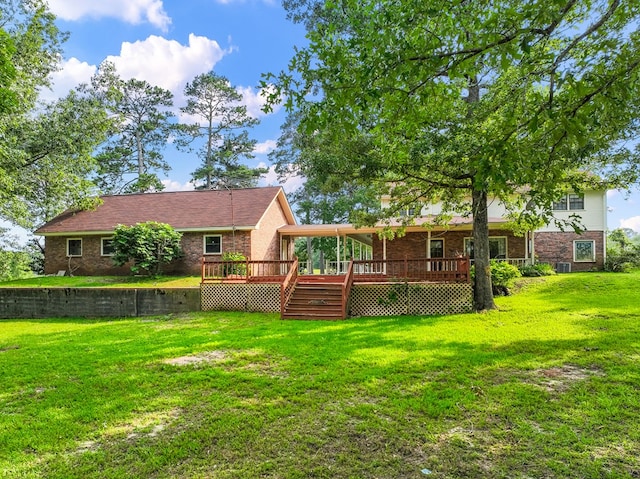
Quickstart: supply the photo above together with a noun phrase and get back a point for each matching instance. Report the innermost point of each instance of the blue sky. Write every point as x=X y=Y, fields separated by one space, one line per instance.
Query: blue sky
x=169 y=42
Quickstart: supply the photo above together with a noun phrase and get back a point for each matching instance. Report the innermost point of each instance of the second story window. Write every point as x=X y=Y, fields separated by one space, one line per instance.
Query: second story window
x=571 y=202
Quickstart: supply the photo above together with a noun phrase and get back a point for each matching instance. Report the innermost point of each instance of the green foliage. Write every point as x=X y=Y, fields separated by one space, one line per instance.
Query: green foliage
x=15 y=261
x=46 y=149
x=150 y=245
x=14 y=265
x=131 y=159
x=221 y=123
x=537 y=269
x=234 y=268
x=503 y=276
x=623 y=251
x=457 y=102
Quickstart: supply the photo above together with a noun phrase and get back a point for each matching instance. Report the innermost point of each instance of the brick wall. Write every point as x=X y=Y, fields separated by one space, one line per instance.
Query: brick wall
x=414 y=245
x=265 y=240
x=91 y=263
x=557 y=247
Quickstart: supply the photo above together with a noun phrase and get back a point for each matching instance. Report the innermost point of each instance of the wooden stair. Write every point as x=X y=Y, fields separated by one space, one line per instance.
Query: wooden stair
x=315 y=300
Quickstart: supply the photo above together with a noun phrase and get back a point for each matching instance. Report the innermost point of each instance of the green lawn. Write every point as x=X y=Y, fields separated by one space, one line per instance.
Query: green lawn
x=549 y=386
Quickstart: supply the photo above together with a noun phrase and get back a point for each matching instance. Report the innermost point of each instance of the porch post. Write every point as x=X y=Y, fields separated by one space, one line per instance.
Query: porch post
x=532 y=253
x=338 y=253
x=384 y=254
x=428 y=250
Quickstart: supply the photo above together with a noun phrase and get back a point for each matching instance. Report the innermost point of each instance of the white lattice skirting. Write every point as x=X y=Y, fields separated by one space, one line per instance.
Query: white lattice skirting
x=240 y=297
x=383 y=299
x=410 y=298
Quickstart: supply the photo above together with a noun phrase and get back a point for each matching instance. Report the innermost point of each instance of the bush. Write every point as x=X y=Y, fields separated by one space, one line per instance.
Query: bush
x=234 y=268
x=149 y=245
x=621 y=261
x=503 y=276
x=538 y=269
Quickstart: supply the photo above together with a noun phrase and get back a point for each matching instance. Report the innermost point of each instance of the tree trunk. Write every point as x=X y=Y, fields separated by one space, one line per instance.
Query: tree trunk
x=483 y=290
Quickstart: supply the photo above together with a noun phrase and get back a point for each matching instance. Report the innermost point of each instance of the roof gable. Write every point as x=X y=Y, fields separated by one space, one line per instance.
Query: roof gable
x=183 y=210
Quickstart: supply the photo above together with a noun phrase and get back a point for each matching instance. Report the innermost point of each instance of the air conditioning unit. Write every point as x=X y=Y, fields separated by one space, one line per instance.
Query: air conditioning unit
x=563 y=267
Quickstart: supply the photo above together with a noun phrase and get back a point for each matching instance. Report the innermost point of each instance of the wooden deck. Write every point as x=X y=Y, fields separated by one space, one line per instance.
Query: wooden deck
x=327 y=296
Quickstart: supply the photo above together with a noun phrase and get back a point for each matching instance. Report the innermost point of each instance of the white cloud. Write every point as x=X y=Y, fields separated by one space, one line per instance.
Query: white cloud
x=172 y=185
x=255 y=100
x=265 y=147
x=290 y=184
x=131 y=11
x=72 y=73
x=167 y=63
x=633 y=223
x=161 y=62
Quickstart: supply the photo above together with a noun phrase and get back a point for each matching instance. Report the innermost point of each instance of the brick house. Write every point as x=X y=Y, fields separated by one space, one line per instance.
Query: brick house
x=564 y=250
x=212 y=222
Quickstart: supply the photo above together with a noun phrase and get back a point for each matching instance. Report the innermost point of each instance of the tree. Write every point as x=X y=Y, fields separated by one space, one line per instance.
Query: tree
x=320 y=199
x=14 y=261
x=465 y=101
x=130 y=160
x=46 y=150
x=150 y=245
x=48 y=159
x=221 y=122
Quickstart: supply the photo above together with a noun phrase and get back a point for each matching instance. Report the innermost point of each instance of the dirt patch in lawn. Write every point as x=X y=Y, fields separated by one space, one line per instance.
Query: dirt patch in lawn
x=205 y=357
x=559 y=379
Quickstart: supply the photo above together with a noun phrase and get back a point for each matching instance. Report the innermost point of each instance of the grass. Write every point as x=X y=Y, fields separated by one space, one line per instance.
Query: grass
x=548 y=386
x=104 y=282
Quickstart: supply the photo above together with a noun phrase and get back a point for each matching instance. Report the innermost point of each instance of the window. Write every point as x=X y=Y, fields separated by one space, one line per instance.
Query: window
x=576 y=202
x=213 y=244
x=561 y=204
x=584 y=251
x=414 y=210
x=572 y=201
x=436 y=248
x=106 y=247
x=74 y=247
x=497 y=247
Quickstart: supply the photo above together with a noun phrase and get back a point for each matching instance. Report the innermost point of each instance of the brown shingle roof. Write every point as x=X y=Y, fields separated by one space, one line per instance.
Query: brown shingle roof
x=210 y=209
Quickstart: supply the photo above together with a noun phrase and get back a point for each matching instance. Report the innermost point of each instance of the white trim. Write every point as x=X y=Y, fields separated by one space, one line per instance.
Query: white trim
x=506 y=245
x=204 y=245
x=593 y=251
x=81 y=247
x=102 y=253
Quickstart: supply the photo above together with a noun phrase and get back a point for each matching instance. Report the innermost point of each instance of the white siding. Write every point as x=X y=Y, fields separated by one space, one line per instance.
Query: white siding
x=593 y=217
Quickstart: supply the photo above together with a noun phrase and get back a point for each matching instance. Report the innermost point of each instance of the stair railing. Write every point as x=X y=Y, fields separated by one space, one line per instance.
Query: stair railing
x=346 y=289
x=287 y=287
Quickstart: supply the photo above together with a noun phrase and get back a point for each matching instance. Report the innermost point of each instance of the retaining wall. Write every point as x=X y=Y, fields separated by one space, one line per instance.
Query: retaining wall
x=96 y=302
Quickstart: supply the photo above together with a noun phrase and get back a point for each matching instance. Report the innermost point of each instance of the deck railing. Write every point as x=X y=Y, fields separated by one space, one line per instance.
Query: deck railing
x=245 y=271
x=346 y=288
x=445 y=270
x=287 y=286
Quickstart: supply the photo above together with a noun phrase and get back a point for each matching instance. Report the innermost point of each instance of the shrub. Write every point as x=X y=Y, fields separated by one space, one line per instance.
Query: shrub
x=234 y=268
x=503 y=276
x=537 y=269
x=150 y=245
